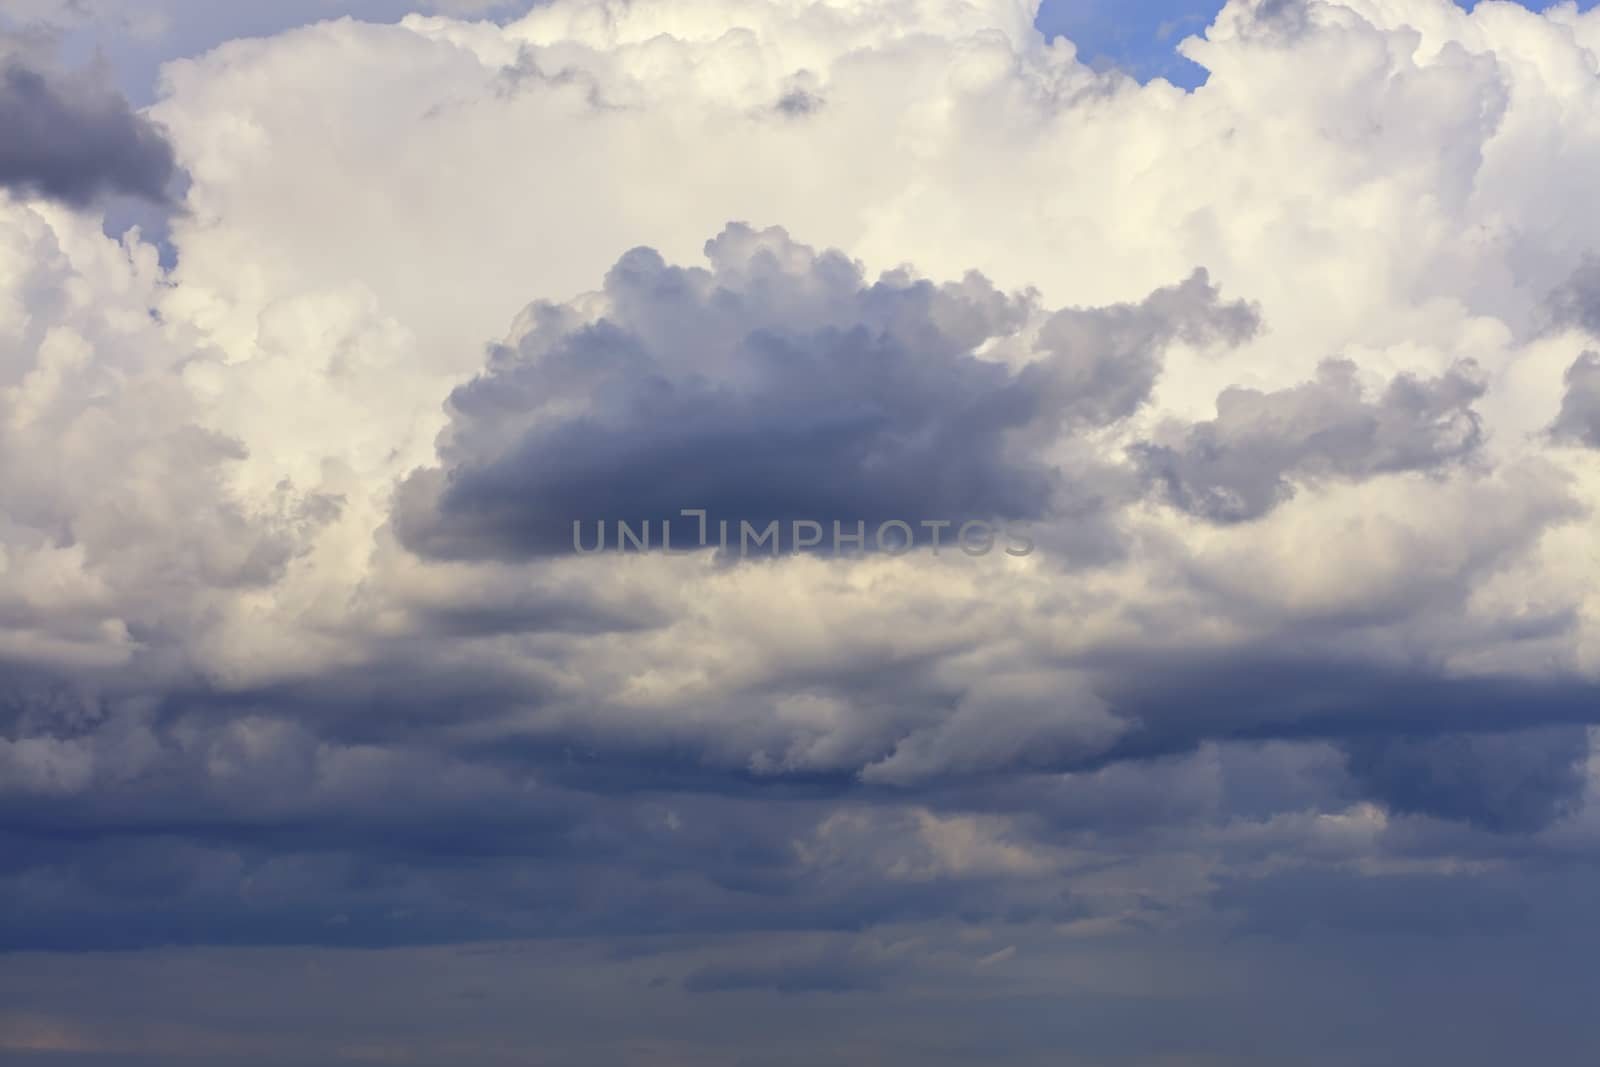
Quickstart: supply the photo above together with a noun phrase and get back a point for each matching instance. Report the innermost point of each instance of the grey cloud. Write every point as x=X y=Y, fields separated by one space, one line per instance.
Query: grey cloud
x=1244 y=463
x=797 y=102
x=1005 y=723
x=1103 y=362
x=69 y=136
x=1289 y=17
x=1576 y=302
x=1506 y=782
x=802 y=96
x=780 y=385
x=1579 y=420
x=1180 y=699
x=260 y=818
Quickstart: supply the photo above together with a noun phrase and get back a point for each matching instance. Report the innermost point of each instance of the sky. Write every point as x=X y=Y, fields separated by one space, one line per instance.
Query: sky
x=1139 y=36
x=775 y=532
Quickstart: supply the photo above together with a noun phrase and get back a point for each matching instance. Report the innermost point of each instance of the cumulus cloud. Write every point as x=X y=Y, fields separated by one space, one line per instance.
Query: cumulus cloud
x=120 y=523
x=295 y=650
x=779 y=386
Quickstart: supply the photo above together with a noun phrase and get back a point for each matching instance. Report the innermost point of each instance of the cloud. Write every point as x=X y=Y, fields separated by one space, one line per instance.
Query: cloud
x=1517 y=782
x=779 y=386
x=122 y=526
x=141 y=21
x=1576 y=302
x=294 y=653
x=1239 y=466
x=1579 y=420
x=68 y=135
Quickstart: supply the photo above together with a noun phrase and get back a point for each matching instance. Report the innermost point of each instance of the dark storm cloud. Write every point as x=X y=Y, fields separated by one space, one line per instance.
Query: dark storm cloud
x=781 y=386
x=238 y=842
x=1503 y=754
x=270 y=817
x=1579 y=420
x=1508 y=782
x=1243 y=463
x=1182 y=699
x=70 y=136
